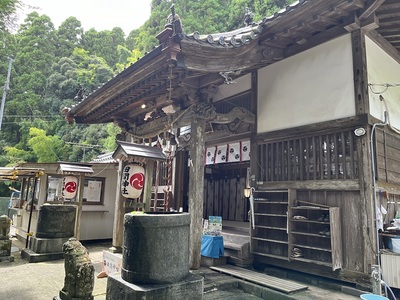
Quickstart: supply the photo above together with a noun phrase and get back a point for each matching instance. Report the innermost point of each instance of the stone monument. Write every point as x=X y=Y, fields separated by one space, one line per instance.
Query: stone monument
x=56 y=224
x=5 y=242
x=155 y=260
x=79 y=272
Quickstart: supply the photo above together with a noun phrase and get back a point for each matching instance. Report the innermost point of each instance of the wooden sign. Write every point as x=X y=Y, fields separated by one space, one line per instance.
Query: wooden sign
x=132 y=181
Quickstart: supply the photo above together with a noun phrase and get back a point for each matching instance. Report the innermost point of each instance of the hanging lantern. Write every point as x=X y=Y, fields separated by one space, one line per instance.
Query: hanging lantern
x=132 y=181
x=70 y=184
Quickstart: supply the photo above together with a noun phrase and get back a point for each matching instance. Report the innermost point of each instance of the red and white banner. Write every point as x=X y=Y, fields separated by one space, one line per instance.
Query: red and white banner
x=234 y=154
x=210 y=155
x=132 y=181
x=69 y=187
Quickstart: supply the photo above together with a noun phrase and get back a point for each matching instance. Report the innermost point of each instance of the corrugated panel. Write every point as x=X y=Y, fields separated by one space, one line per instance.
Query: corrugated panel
x=391 y=268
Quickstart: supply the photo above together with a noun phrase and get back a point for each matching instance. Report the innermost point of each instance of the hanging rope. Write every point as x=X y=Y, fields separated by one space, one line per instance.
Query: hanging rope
x=169 y=166
x=156 y=185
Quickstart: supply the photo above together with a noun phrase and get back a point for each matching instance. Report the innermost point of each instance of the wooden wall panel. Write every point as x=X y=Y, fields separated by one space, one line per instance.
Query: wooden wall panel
x=232 y=194
x=350 y=214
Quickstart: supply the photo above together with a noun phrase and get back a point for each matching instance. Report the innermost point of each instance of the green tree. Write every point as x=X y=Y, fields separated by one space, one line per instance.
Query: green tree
x=50 y=65
x=104 y=44
x=46 y=148
x=8 y=17
x=68 y=37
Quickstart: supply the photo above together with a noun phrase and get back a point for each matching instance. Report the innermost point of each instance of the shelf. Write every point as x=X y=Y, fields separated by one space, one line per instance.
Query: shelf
x=269 y=202
x=277 y=233
x=304 y=234
x=310 y=221
x=311 y=247
x=270 y=215
x=270 y=227
x=305 y=207
x=270 y=236
x=270 y=255
x=270 y=240
x=317 y=262
x=311 y=234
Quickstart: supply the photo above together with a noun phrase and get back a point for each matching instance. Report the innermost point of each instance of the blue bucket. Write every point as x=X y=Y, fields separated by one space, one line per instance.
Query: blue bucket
x=372 y=297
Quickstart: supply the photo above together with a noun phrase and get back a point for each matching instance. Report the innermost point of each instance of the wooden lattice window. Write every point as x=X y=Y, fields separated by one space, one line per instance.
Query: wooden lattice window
x=321 y=157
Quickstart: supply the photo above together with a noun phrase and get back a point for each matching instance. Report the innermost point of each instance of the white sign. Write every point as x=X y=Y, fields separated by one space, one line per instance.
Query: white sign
x=112 y=262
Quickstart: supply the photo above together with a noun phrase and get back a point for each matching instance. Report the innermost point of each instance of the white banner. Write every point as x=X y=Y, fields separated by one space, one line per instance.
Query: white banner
x=210 y=155
x=245 y=149
x=220 y=157
x=234 y=153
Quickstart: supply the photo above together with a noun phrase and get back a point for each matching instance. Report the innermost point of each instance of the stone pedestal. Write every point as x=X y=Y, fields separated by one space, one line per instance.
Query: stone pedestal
x=55 y=226
x=155 y=259
x=5 y=242
x=5 y=250
x=191 y=287
x=44 y=249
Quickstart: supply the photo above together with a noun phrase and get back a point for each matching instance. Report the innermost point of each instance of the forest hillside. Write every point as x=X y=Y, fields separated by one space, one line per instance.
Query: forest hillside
x=44 y=69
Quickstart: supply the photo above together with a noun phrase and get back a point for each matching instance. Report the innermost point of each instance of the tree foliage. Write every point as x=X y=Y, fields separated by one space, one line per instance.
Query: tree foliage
x=50 y=66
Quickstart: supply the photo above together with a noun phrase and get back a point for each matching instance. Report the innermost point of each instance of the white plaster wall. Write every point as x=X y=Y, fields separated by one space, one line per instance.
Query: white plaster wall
x=97 y=221
x=310 y=87
x=241 y=85
x=382 y=69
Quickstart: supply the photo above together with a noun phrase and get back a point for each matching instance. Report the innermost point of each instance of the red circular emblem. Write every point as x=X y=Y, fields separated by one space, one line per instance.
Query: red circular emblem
x=70 y=187
x=137 y=181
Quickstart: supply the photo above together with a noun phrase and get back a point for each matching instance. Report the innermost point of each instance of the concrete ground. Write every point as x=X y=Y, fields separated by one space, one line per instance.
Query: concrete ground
x=20 y=280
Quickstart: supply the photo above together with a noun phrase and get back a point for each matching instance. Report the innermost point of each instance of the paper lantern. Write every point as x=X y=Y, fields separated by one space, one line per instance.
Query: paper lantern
x=132 y=181
x=70 y=184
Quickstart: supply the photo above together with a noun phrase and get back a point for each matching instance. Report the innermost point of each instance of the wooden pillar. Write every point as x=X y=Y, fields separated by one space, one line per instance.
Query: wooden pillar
x=196 y=191
x=363 y=146
x=79 y=206
x=118 y=213
x=148 y=183
x=360 y=72
x=253 y=131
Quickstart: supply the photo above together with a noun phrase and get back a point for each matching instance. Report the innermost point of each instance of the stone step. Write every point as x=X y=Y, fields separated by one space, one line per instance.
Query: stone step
x=235 y=238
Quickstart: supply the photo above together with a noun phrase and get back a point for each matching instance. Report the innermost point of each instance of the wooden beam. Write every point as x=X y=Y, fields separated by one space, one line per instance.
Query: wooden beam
x=370 y=9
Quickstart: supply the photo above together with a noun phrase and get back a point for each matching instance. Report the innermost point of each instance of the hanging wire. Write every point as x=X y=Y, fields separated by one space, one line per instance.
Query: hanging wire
x=385 y=86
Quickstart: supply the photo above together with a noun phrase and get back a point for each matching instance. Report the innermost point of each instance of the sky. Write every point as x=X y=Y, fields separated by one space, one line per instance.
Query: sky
x=98 y=14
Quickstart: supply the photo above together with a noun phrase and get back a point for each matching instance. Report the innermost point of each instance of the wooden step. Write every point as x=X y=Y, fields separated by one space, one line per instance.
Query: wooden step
x=278 y=284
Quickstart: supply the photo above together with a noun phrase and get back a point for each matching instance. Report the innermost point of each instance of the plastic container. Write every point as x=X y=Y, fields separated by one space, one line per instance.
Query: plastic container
x=372 y=297
x=395 y=245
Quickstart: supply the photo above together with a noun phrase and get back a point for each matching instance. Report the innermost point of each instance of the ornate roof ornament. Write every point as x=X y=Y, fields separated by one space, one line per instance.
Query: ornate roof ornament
x=248 y=17
x=174 y=22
